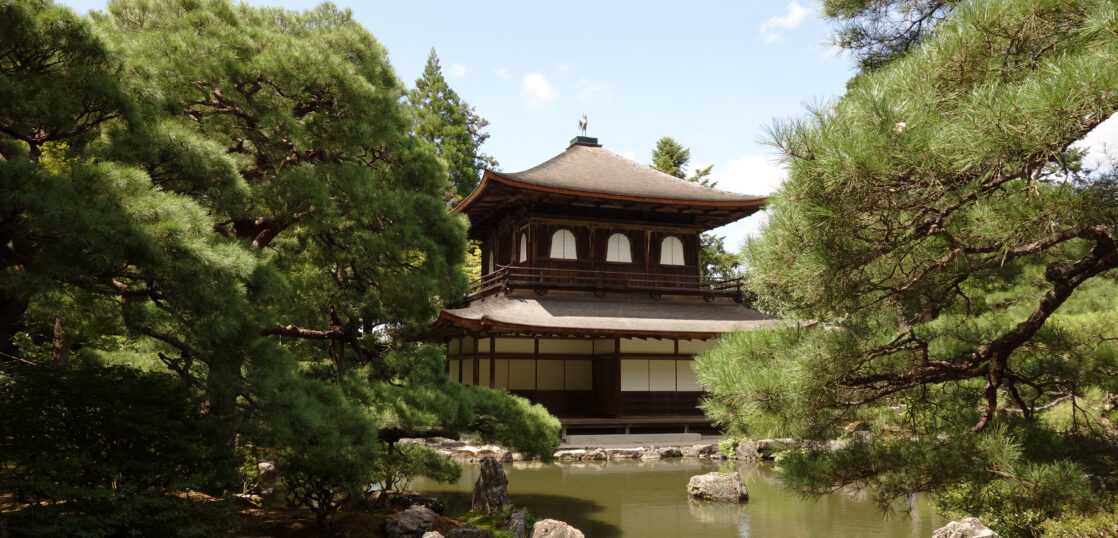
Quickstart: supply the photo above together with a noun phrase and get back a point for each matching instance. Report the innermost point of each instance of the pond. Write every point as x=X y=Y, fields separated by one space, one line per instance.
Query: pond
x=648 y=499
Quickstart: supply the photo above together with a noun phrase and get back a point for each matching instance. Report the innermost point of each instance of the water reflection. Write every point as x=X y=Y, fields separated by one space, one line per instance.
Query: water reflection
x=648 y=498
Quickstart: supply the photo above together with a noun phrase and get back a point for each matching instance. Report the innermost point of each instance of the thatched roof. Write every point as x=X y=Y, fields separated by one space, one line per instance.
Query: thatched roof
x=586 y=174
x=593 y=169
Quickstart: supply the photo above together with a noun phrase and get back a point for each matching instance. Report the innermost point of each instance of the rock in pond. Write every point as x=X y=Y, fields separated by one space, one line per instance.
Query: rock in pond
x=550 y=528
x=718 y=487
x=491 y=491
x=968 y=527
x=432 y=534
x=747 y=451
x=411 y=523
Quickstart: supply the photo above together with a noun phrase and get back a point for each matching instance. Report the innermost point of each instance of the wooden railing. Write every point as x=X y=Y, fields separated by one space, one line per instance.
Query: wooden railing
x=507 y=278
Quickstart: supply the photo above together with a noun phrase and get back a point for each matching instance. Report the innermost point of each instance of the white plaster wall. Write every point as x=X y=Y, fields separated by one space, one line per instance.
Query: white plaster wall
x=501 y=373
x=647 y=345
x=603 y=346
x=467 y=344
x=685 y=376
x=580 y=375
x=468 y=372
x=483 y=345
x=454 y=370
x=661 y=375
x=483 y=372
x=567 y=347
x=549 y=375
x=515 y=345
x=634 y=375
x=522 y=374
x=454 y=347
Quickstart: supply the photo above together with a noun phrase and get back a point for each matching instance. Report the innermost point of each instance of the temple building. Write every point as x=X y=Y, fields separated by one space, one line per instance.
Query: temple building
x=591 y=301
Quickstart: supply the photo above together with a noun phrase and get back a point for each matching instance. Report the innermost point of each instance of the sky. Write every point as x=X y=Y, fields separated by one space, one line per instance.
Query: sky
x=712 y=75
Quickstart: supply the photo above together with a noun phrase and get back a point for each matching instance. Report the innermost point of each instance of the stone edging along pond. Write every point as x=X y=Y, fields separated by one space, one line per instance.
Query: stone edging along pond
x=745 y=450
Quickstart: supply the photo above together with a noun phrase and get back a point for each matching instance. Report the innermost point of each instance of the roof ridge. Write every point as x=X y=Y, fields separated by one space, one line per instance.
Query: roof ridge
x=678 y=179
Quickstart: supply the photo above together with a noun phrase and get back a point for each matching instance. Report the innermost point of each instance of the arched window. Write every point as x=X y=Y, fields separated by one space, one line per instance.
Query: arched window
x=523 y=247
x=618 y=250
x=563 y=245
x=671 y=251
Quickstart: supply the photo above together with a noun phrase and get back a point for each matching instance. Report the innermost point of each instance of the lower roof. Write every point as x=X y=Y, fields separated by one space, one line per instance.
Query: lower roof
x=584 y=314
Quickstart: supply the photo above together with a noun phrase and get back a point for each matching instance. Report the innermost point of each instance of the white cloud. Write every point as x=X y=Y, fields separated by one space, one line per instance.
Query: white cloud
x=788 y=21
x=751 y=174
x=629 y=154
x=537 y=90
x=593 y=92
x=457 y=70
x=1102 y=140
x=501 y=72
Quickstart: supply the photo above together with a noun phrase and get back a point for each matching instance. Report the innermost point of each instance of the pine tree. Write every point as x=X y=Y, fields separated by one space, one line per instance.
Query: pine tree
x=672 y=158
x=453 y=127
x=233 y=194
x=963 y=263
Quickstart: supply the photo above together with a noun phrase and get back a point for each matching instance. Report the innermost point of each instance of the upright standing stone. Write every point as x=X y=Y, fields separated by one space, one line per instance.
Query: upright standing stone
x=491 y=491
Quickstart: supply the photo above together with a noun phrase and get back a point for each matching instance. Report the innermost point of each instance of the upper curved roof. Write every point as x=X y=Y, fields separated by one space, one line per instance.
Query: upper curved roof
x=587 y=171
x=594 y=169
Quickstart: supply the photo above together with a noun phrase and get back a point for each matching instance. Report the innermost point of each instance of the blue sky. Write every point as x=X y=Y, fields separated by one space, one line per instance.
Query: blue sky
x=712 y=75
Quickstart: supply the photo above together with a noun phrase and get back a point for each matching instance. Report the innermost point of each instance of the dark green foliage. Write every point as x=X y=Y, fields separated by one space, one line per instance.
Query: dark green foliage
x=96 y=451
x=671 y=158
x=496 y=522
x=962 y=263
x=50 y=68
x=876 y=31
x=234 y=194
x=453 y=127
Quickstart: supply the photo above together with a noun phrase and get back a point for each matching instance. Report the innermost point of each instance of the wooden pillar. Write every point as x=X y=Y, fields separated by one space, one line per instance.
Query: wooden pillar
x=477 y=360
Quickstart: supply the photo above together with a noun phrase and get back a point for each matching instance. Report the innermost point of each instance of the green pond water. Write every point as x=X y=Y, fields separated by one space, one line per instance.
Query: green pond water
x=648 y=499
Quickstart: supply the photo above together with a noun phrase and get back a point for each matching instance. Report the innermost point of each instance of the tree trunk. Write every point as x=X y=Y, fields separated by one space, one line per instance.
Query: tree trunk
x=60 y=346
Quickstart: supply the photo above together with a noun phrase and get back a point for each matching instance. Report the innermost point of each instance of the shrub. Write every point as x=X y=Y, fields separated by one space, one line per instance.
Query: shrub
x=94 y=451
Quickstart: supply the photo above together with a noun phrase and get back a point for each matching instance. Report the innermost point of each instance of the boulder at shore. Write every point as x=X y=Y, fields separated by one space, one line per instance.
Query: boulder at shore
x=411 y=523
x=968 y=527
x=466 y=530
x=747 y=451
x=517 y=523
x=718 y=487
x=491 y=491
x=550 y=528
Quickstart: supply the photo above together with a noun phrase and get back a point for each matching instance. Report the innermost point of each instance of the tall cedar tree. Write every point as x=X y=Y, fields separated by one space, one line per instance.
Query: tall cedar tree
x=671 y=158
x=233 y=194
x=453 y=127
x=964 y=265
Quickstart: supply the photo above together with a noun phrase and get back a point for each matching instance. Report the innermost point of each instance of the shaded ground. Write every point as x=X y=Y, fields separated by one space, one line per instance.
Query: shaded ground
x=349 y=522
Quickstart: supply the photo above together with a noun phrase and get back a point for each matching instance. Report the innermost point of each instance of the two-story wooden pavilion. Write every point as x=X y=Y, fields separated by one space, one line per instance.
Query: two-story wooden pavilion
x=591 y=300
